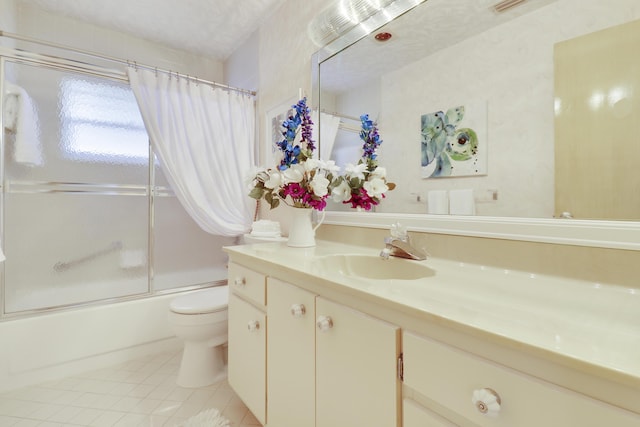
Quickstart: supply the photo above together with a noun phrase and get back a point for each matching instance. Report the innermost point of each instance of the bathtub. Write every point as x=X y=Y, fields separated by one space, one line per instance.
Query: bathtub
x=56 y=344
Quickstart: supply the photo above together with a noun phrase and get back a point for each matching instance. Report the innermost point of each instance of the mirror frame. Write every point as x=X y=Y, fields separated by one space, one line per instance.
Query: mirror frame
x=590 y=233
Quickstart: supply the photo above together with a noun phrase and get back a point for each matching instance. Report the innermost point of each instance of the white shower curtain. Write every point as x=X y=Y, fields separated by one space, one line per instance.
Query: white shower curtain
x=204 y=138
x=328 y=130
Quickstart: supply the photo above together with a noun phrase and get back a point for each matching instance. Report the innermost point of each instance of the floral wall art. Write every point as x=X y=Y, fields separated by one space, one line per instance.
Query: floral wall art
x=453 y=141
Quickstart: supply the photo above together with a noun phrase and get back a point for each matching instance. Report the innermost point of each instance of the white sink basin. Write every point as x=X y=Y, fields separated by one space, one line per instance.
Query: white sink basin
x=374 y=267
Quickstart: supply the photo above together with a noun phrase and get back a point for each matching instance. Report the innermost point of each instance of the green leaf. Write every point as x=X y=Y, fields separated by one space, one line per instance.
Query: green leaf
x=256 y=193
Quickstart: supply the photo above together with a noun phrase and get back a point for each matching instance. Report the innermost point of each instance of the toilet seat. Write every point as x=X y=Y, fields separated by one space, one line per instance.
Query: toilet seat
x=202 y=302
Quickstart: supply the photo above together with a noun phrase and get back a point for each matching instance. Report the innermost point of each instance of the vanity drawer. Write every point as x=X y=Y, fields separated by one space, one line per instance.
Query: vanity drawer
x=449 y=377
x=414 y=415
x=247 y=283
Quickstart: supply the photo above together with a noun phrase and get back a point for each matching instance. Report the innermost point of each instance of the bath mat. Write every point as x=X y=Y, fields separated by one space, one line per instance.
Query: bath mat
x=207 y=418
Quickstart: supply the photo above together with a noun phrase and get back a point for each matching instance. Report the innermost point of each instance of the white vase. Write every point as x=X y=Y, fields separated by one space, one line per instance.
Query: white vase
x=302 y=234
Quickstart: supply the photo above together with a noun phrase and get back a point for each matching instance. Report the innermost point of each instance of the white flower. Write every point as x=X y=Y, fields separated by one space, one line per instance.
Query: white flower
x=379 y=172
x=275 y=180
x=330 y=166
x=311 y=164
x=341 y=193
x=355 y=171
x=295 y=173
x=320 y=185
x=375 y=187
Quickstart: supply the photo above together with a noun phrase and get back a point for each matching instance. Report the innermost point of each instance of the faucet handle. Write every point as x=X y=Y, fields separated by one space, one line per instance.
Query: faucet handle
x=399 y=231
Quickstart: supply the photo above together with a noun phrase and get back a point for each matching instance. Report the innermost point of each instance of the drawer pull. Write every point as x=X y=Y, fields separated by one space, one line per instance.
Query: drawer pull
x=324 y=323
x=298 y=310
x=239 y=281
x=486 y=401
x=253 y=326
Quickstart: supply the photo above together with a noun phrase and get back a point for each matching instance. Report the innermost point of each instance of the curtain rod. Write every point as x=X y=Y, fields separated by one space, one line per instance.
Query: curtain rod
x=123 y=61
x=343 y=116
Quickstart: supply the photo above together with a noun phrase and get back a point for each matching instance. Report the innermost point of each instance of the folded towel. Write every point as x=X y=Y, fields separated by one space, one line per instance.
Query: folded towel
x=22 y=116
x=437 y=202
x=133 y=258
x=462 y=202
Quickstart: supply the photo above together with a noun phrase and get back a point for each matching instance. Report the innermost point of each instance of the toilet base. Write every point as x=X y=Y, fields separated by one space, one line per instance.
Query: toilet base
x=201 y=365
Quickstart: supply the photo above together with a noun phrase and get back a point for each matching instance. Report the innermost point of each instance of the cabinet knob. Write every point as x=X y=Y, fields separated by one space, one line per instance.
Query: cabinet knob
x=253 y=325
x=324 y=323
x=239 y=281
x=298 y=310
x=487 y=401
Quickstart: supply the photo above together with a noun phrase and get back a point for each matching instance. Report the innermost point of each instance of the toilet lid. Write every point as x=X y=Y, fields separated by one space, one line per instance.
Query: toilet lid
x=204 y=301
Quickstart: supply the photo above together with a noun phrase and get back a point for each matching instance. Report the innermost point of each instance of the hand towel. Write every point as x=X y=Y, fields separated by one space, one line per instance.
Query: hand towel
x=28 y=147
x=437 y=202
x=462 y=202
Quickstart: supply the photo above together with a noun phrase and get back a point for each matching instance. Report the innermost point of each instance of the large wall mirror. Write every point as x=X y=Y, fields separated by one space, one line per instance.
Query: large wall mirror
x=542 y=100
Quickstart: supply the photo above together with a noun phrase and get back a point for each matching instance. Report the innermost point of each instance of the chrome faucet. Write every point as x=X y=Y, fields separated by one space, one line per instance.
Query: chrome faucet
x=399 y=245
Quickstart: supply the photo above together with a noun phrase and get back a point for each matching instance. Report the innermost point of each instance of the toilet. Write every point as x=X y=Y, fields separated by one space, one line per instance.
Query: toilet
x=200 y=320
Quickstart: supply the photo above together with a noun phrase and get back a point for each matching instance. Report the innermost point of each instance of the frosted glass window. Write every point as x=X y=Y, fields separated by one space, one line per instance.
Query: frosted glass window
x=101 y=120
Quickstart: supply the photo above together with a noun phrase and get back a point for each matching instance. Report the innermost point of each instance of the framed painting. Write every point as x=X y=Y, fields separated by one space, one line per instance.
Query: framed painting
x=454 y=142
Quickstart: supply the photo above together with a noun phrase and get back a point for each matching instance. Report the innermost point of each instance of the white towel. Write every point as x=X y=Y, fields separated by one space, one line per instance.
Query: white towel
x=462 y=202
x=21 y=113
x=133 y=258
x=437 y=202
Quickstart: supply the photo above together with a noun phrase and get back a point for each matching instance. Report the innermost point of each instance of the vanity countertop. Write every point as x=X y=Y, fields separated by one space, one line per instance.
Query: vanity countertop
x=592 y=327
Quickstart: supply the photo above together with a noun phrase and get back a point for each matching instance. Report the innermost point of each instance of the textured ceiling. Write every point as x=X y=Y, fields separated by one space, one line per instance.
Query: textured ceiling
x=214 y=28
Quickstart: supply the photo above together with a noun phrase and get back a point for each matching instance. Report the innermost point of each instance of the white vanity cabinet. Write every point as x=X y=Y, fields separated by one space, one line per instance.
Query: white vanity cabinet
x=328 y=365
x=247 y=338
x=332 y=347
x=446 y=378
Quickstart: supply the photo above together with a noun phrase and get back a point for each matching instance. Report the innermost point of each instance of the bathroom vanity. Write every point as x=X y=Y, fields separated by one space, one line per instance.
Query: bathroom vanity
x=335 y=336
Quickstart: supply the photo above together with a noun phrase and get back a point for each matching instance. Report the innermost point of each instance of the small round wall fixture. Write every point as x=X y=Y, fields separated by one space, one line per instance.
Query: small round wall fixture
x=383 y=36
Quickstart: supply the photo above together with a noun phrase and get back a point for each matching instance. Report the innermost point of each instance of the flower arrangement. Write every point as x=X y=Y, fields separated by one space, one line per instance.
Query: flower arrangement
x=363 y=185
x=299 y=180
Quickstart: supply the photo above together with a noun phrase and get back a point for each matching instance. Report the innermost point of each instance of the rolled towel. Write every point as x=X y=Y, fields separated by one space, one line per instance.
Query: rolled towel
x=462 y=202
x=437 y=202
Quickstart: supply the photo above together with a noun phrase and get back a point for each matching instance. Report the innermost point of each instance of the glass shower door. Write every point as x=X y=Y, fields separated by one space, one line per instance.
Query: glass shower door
x=76 y=184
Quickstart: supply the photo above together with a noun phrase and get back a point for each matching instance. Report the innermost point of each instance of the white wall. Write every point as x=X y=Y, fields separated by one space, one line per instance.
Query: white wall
x=36 y=23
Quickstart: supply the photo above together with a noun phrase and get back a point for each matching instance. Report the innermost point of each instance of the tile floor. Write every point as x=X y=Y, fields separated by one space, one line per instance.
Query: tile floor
x=141 y=392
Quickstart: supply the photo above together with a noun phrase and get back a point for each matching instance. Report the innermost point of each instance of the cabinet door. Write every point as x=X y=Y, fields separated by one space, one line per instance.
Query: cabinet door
x=247 y=355
x=356 y=359
x=290 y=355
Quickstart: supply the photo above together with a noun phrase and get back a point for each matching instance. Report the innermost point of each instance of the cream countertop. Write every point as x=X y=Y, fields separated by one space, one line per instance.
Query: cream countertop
x=594 y=323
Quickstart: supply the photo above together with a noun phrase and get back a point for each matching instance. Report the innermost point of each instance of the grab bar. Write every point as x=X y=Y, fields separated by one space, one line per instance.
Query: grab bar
x=64 y=266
